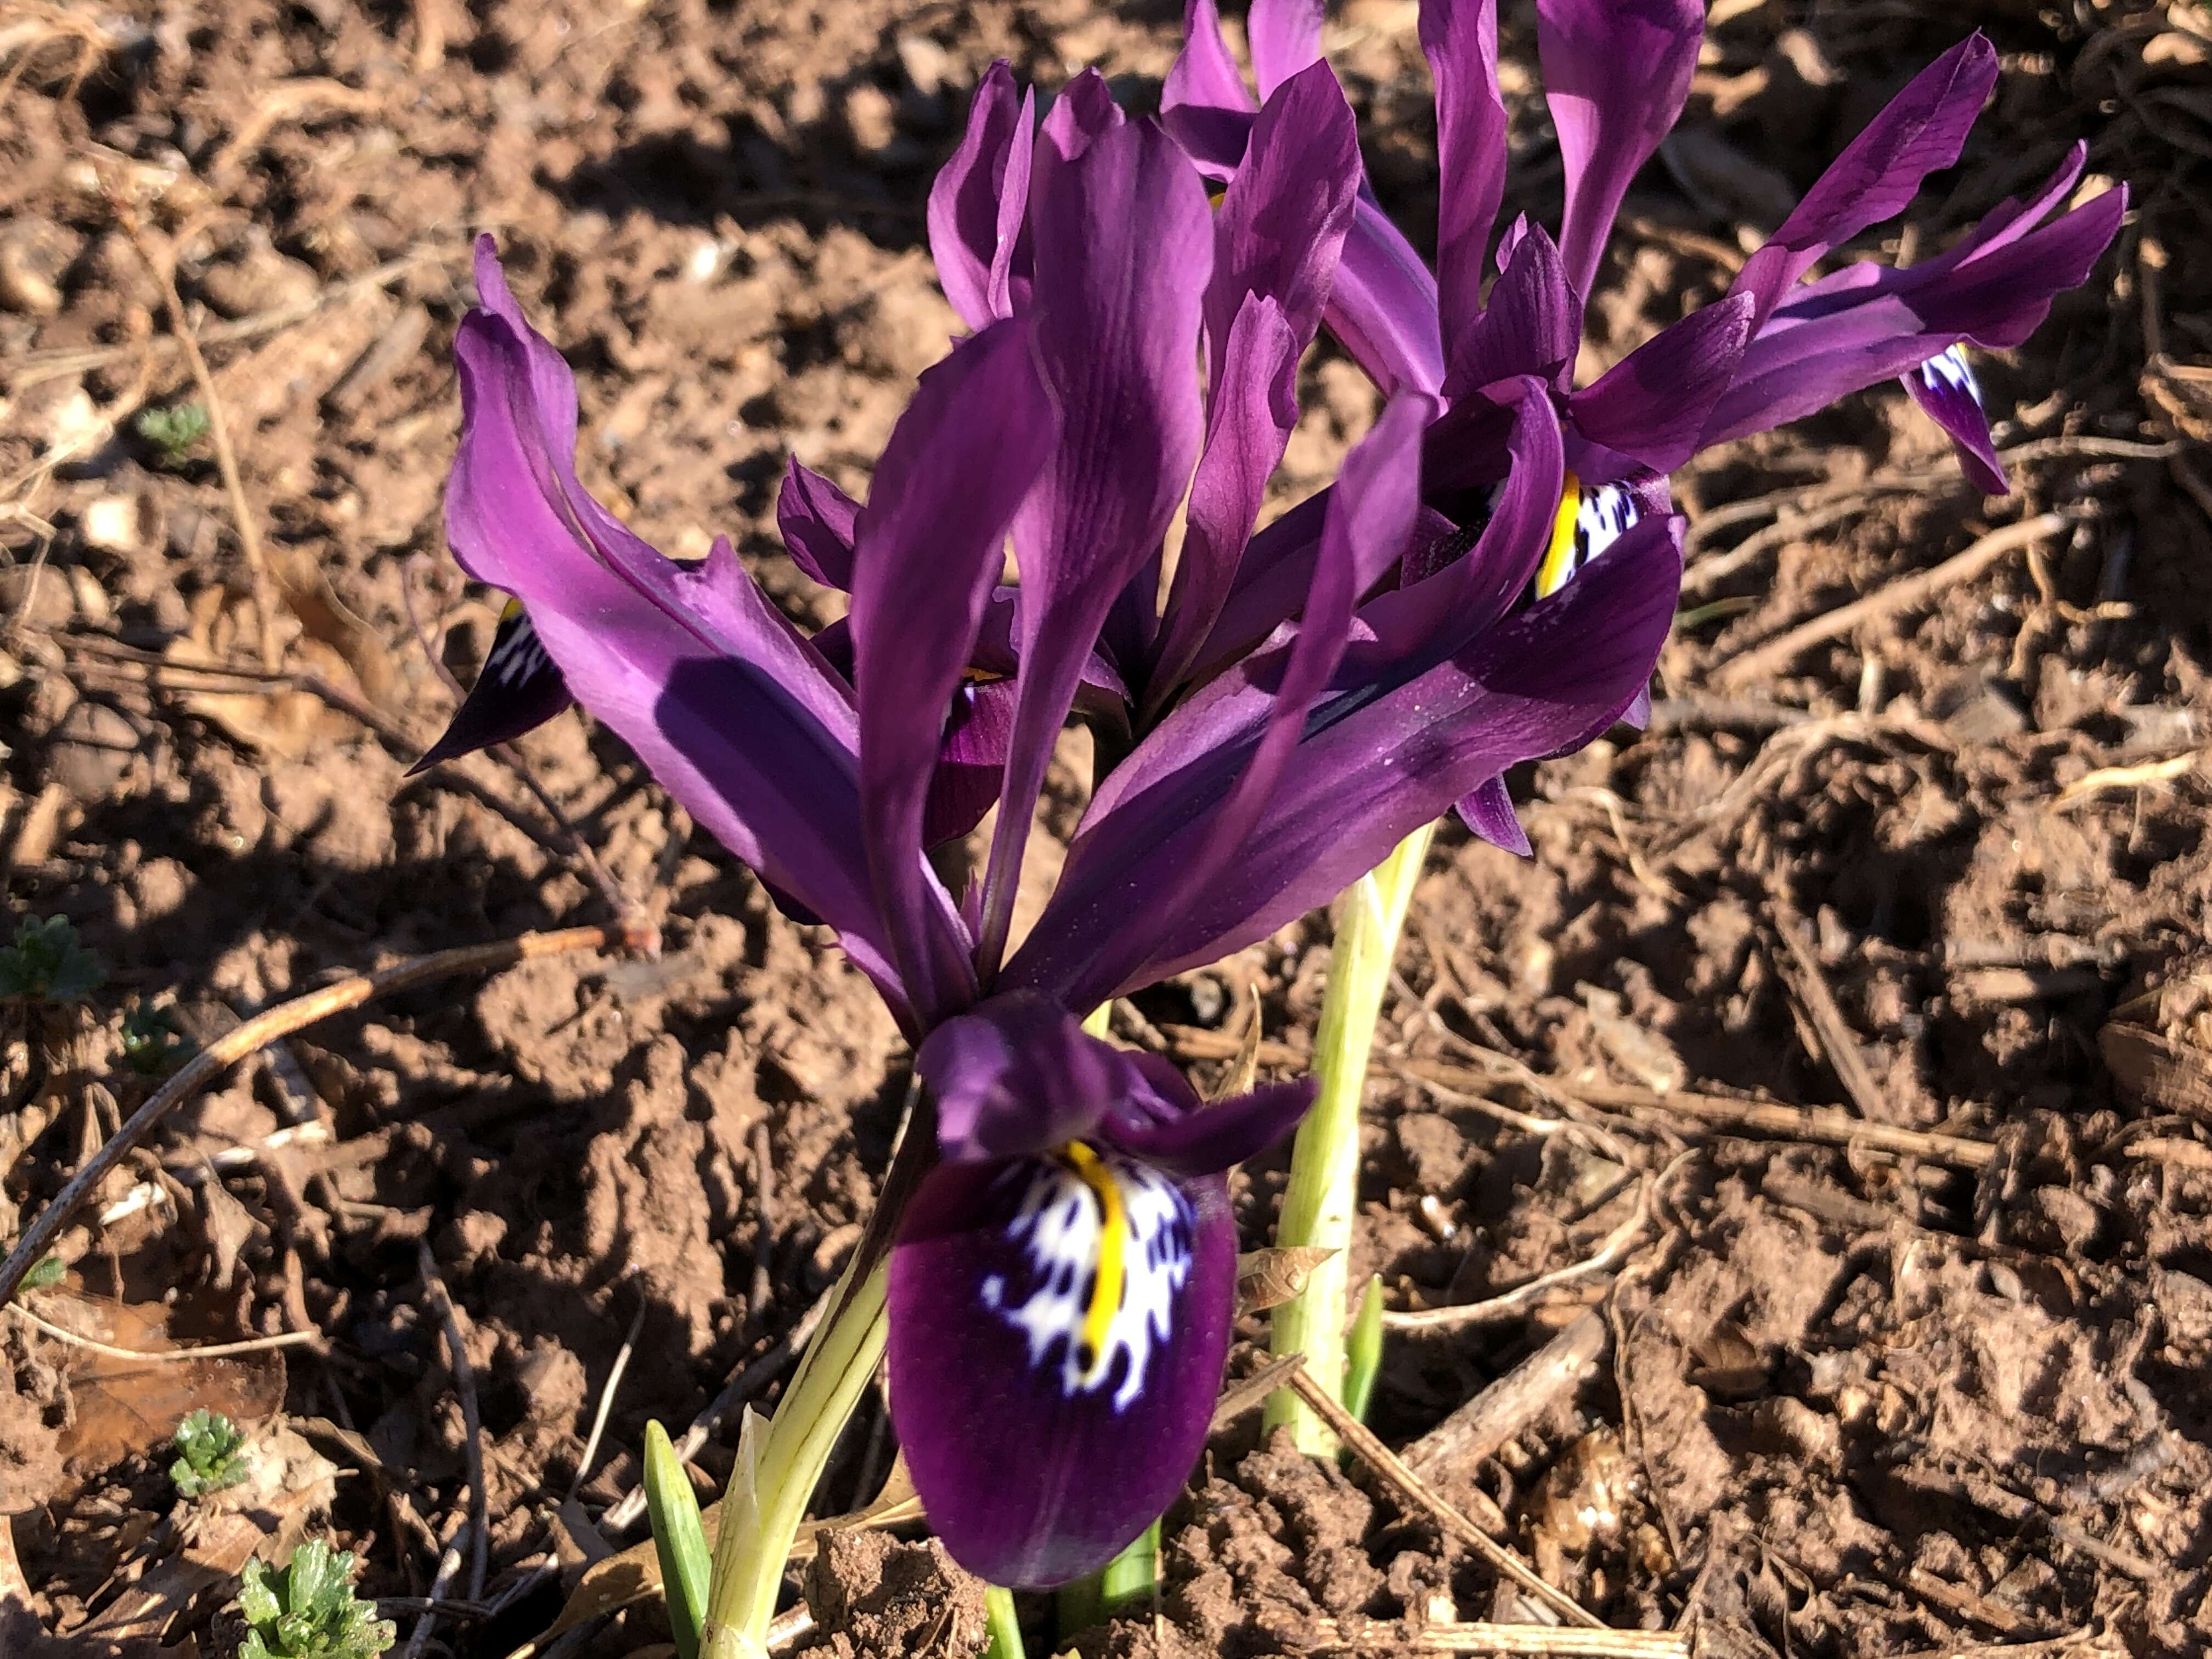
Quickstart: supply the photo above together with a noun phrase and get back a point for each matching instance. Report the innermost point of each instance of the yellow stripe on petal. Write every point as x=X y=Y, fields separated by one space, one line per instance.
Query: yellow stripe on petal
x=1111 y=1263
x=1559 y=554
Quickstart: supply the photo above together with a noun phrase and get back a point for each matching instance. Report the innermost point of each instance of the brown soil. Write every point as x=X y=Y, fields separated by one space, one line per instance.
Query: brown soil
x=1855 y=1402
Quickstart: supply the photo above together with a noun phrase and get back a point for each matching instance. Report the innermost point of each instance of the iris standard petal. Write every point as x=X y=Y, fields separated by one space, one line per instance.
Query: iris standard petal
x=816 y=520
x=1058 y=1328
x=1383 y=308
x=1204 y=104
x=1531 y=325
x=963 y=215
x=1616 y=76
x=1920 y=132
x=1651 y=405
x=1284 y=36
x=1945 y=388
x=1376 y=762
x=928 y=549
x=1251 y=412
x=971 y=761
x=1123 y=241
x=518 y=690
x=735 y=714
x=1281 y=226
x=1864 y=325
x=1460 y=38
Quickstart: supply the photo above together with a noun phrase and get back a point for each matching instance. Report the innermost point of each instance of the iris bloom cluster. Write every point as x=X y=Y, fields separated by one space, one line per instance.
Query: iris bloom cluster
x=1060 y=1289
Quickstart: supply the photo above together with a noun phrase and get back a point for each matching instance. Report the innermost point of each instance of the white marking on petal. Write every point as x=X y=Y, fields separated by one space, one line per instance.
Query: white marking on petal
x=1948 y=369
x=1603 y=514
x=517 y=656
x=1058 y=1229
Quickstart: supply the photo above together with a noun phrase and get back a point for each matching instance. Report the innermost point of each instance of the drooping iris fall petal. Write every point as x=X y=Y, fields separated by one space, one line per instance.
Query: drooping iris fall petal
x=1062 y=1289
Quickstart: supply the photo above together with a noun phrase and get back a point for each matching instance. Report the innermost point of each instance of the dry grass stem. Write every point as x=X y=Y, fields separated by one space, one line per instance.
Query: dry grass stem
x=1392 y=1470
x=168 y=1355
x=1762 y=662
x=464 y=1385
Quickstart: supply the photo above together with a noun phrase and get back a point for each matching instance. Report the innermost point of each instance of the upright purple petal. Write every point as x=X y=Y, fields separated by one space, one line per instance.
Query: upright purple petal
x=1256 y=715
x=965 y=201
x=1252 y=409
x=1035 y=1467
x=1945 y=388
x=1651 y=405
x=1865 y=324
x=972 y=761
x=1533 y=325
x=1383 y=308
x=1084 y=112
x=1281 y=224
x=1920 y=132
x=1124 y=245
x=1616 y=76
x=735 y=714
x=1205 y=104
x=1285 y=39
x=1460 y=38
x=928 y=549
x=1378 y=760
x=816 y=519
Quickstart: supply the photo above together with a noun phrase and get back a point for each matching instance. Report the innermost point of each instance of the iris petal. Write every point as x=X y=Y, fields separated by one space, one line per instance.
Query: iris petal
x=518 y=690
x=1044 y=1428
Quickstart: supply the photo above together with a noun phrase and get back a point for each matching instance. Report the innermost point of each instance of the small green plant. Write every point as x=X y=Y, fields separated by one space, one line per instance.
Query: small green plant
x=212 y=1454
x=47 y=1270
x=151 y=1042
x=45 y=962
x=175 y=431
x=308 y=1610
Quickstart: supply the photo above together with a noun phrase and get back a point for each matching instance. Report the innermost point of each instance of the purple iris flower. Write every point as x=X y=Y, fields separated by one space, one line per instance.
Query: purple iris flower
x=1617 y=74
x=1060 y=1284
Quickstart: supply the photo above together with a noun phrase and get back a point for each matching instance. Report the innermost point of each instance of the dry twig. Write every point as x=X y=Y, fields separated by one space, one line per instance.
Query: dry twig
x=1387 y=1464
x=168 y=1355
x=464 y=1385
x=1478 y=1428
x=1765 y=660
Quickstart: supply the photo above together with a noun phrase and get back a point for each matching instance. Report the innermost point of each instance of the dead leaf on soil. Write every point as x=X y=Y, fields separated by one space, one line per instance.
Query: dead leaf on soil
x=288 y=723
x=2160 y=1047
x=1267 y=1279
x=123 y=1406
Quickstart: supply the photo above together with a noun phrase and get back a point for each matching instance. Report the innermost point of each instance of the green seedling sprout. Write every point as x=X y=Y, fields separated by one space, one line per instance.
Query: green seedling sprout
x=45 y=962
x=1317 y=1204
x=1004 y=1624
x=1363 y=1351
x=175 y=431
x=308 y=1610
x=152 y=1044
x=211 y=1455
x=679 y=1538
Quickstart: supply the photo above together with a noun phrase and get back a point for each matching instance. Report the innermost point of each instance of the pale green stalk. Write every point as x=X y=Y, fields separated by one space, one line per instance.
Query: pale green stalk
x=1317 y=1205
x=1004 y=1624
x=780 y=1461
x=1362 y=1356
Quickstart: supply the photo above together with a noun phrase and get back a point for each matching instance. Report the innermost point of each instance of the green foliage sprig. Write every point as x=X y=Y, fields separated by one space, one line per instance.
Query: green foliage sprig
x=45 y=962
x=309 y=1610
x=212 y=1454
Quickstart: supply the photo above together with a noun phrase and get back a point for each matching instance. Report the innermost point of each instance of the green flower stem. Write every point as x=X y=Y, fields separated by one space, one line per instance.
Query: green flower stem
x=679 y=1538
x=1318 y=1204
x=1130 y=1577
x=780 y=1461
x=1006 y=1626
